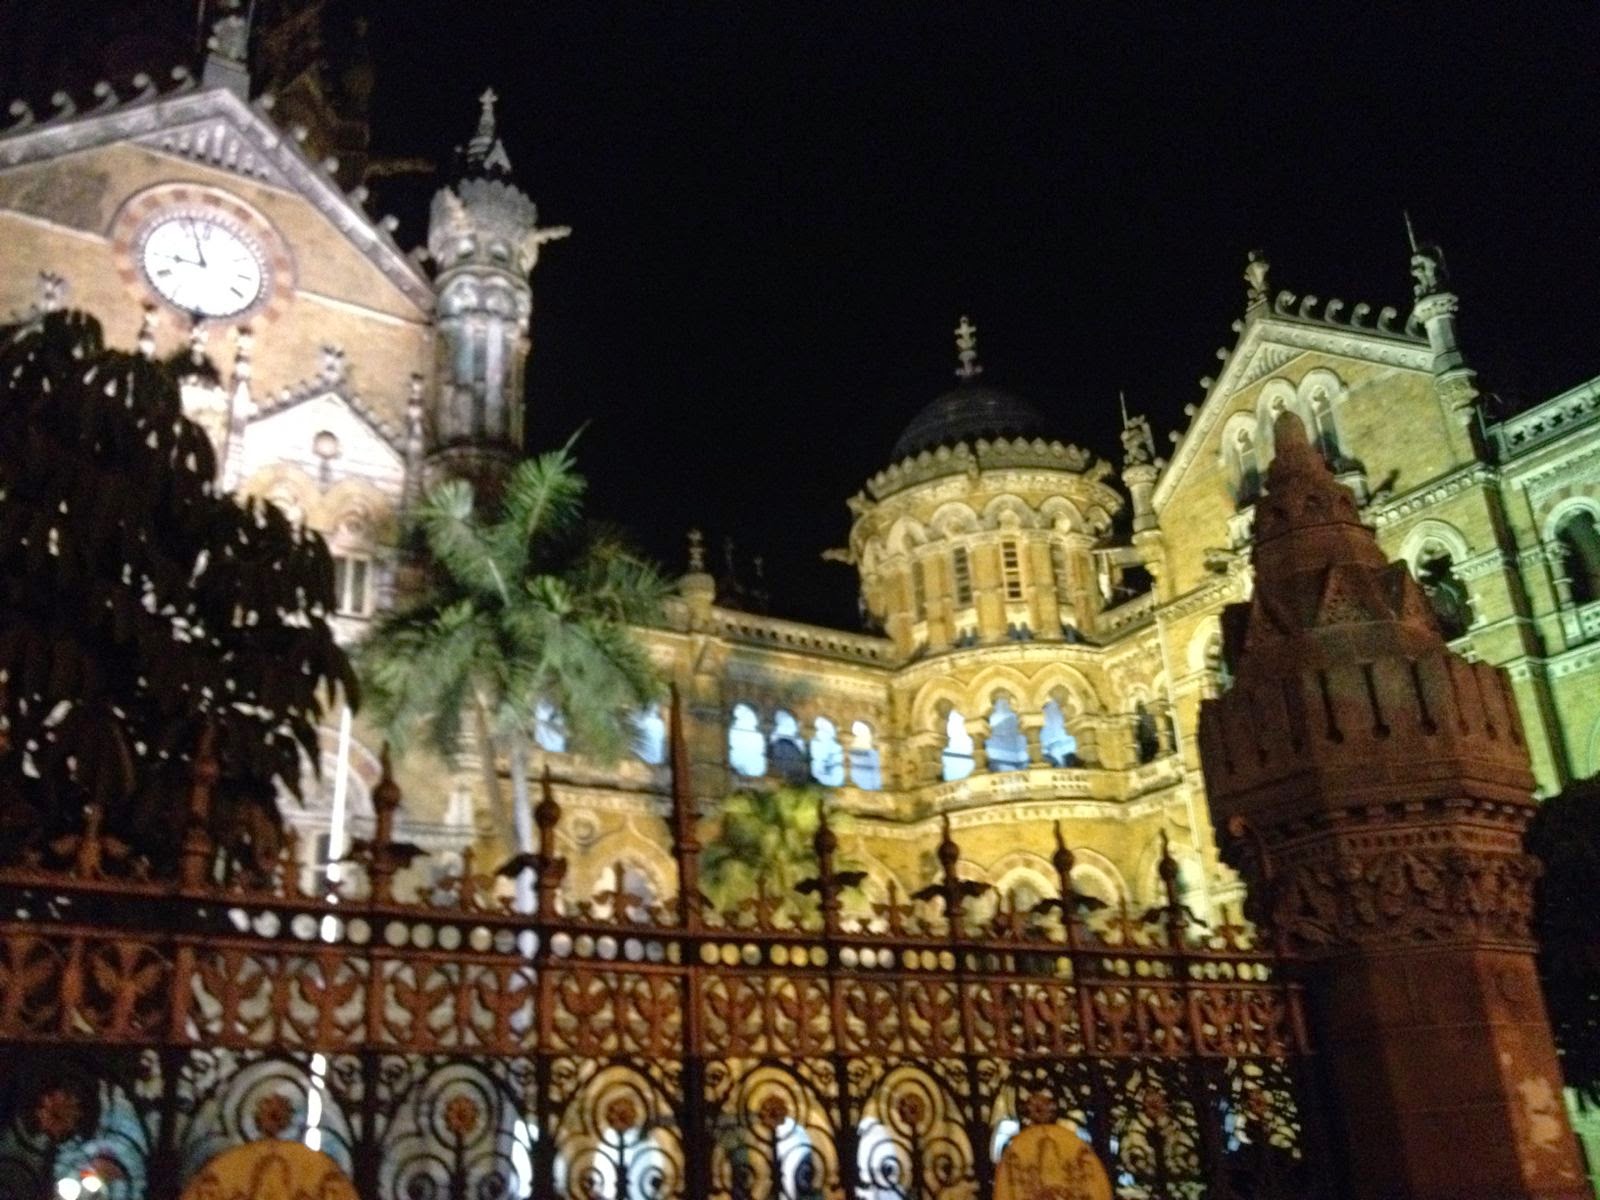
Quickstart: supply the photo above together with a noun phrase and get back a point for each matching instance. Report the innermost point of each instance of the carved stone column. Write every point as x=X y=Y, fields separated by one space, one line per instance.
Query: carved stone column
x=1032 y=726
x=978 y=731
x=1372 y=787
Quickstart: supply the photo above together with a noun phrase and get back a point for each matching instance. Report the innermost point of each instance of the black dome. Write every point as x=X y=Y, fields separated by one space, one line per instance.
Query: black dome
x=967 y=411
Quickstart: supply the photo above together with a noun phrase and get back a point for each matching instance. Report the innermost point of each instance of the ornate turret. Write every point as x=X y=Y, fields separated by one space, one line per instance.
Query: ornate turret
x=1374 y=787
x=484 y=238
x=1435 y=310
x=982 y=529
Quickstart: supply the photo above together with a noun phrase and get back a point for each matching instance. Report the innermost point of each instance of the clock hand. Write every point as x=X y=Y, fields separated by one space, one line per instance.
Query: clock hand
x=194 y=233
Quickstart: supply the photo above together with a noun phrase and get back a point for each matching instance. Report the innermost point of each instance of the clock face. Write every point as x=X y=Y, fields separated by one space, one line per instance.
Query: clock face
x=202 y=265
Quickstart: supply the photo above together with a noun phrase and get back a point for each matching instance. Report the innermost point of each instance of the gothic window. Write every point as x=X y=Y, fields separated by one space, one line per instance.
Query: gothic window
x=961 y=573
x=827 y=756
x=1006 y=746
x=786 y=750
x=919 y=590
x=1446 y=592
x=1056 y=742
x=1578 y=540
x=1146 y=738
x=1323 y=435
x=747 y=749
x=957 y=759
x=352 y=585
x=549 y=729
x=1247 y=465
x=650 y=735
x=865 y=771
x=1011 y=569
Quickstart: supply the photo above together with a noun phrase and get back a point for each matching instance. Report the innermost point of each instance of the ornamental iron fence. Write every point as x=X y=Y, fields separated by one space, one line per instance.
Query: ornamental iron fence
x=450 y=1048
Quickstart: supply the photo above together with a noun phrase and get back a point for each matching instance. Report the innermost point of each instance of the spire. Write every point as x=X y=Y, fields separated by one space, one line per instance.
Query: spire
x=967 y=351
x=486 y=153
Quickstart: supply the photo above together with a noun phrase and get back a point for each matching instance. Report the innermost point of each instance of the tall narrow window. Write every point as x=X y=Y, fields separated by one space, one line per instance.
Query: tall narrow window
x=957 y=758
x=961 y=571
x=919 y=591
x=352 y=585
x=1011 y=569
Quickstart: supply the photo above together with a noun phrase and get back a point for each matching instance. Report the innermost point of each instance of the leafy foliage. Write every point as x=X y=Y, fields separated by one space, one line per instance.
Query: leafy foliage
x=764 y=834
x=137 y=604
x=1565 y=836
x=526 y=606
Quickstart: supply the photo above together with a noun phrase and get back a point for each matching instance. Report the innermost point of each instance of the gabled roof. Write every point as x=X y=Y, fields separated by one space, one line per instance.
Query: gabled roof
x=1275 y=332
x=215 y=127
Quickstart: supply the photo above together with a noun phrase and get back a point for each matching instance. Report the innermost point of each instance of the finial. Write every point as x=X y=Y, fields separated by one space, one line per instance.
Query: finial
x=697 y=551
x=241 y=355
x=1411 y=233
x=228 y=51
x=967 y=350
x=1427 y=264
x=485 y=151
x=333 y=365
x=1255 y=277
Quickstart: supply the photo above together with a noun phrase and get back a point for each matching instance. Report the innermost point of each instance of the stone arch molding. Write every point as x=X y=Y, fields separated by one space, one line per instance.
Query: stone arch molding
x=1434 y=530
x=1564 y=510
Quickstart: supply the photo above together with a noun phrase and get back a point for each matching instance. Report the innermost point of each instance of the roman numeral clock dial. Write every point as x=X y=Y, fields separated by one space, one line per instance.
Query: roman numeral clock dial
x=202 y=265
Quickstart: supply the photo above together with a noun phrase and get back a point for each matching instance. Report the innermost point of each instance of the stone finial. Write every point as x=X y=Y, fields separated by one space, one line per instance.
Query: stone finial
x=967 y=350
x=1427 y=265
x=1255 y=277
x=228 y=51
x=243 y=346
x=486 y=153
x=1138 y=443
x=697 y=551
x=334 y=369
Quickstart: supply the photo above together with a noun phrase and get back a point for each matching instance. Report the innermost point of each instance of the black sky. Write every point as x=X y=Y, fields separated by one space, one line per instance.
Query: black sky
x=781 y=209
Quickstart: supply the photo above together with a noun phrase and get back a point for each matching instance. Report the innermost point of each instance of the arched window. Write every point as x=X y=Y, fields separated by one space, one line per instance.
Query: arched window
x=865 y=771
x=1248 y=465
x=1323 y=435
x=957 y=747
x=827 y=756
x=1436 y=572
x=786 y=750
x=961 y=576
x=1006 y=746
x=1146 y=738
x=549 y=730
x=1578 y=540
x=1056 y=742
x=650 y=735
x=919 y=590
x=747 y=749
x=1011 y=569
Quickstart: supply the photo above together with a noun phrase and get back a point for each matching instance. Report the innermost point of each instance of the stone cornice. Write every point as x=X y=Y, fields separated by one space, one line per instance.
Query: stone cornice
x=1419 y=499
x=224 y=133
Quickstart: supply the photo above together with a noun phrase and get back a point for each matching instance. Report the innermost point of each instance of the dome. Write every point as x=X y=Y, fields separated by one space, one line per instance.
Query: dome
x=969 y=410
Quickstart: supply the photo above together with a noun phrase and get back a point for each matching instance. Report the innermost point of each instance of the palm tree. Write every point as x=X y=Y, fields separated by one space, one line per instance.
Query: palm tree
x=765 y=837
x=527 y=608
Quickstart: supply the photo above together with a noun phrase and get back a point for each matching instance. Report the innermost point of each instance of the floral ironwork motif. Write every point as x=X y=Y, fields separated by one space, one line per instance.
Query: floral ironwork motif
x=447 y=1049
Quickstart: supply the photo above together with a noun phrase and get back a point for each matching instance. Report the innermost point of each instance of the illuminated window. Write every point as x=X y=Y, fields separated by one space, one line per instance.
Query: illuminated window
x=1011 y=569
x=650 y=735
x=352 y=585
x=961 y=569
x=827 y=756
x=1056 y=742
x=549 y=728
x=957 y=758
x=865 y=771
x=919 y=591
x=747 y=749
x=1006 y=745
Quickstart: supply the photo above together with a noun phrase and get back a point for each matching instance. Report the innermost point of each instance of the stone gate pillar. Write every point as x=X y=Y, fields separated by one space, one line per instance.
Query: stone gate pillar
x=1373 y=788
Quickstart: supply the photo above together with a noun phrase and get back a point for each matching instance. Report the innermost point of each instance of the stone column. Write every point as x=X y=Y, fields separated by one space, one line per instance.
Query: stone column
x=978 y=731
x=1372 y=787
x=1032 y=726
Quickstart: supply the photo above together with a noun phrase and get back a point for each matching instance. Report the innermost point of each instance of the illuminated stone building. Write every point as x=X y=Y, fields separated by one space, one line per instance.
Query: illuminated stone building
x=1050 y=618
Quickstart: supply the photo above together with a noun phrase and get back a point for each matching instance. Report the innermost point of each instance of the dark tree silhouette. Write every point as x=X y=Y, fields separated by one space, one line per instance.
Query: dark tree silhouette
x=1565 y=836
x=137 y=605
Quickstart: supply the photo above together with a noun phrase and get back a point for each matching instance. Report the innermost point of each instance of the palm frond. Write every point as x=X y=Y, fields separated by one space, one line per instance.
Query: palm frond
x=469 y=554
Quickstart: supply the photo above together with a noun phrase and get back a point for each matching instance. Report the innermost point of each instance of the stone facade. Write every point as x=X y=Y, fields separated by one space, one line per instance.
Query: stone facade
x=1038 y=665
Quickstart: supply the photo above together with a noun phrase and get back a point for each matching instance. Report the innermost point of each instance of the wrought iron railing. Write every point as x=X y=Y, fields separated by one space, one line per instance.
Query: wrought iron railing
x=618 y=1048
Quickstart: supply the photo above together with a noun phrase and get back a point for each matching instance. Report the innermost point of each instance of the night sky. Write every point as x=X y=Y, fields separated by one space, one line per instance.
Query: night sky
x=781 y=210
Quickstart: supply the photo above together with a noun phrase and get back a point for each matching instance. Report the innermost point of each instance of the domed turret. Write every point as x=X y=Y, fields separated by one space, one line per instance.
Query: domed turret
x=1006 y=552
